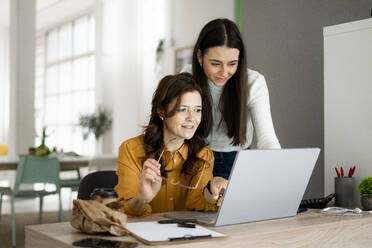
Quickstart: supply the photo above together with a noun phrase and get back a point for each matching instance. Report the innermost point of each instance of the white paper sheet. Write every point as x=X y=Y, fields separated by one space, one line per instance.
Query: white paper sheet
x=155 y=232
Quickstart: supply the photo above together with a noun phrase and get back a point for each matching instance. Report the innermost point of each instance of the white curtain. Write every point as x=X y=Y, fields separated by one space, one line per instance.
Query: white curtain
x=4 y=84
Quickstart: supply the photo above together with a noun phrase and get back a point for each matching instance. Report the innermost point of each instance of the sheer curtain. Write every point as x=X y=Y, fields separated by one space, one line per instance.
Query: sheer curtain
x=4 y=84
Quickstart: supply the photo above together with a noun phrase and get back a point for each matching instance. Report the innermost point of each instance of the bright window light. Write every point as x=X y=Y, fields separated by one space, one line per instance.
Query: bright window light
x=65 y=84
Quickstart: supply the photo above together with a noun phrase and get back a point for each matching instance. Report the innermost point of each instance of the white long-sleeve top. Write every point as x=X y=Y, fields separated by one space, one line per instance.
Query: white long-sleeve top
x=259 y=119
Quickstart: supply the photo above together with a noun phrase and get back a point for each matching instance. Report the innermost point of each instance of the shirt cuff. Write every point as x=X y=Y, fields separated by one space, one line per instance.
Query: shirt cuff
x=131 y=213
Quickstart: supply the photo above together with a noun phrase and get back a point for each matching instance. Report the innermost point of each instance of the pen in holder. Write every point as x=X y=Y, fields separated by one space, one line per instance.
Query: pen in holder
x=344 y=190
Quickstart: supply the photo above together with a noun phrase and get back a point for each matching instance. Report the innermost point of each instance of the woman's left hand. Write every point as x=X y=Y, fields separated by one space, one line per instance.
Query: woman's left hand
x=218 y=186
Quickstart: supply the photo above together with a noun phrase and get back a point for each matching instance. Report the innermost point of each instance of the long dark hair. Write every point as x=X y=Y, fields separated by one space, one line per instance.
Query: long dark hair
x=233 y=102
x=170 y=88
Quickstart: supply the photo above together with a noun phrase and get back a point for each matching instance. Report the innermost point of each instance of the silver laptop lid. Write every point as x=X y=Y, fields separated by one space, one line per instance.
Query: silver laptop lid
x=266 y=184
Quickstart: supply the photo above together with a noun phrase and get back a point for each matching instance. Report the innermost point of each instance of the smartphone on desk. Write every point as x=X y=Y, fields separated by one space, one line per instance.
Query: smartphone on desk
x=104 y=243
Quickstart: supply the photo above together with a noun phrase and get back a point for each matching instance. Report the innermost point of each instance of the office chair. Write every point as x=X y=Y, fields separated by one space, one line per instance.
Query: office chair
x=97 y=179
x=33 y=170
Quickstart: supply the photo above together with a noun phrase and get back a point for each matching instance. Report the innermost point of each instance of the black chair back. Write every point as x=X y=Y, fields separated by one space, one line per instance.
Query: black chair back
x=97 y=179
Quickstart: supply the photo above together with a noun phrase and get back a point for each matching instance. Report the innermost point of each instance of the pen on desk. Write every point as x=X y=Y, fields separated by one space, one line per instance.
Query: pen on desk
x=190 y=237
x=176 y=221
x=186 y=225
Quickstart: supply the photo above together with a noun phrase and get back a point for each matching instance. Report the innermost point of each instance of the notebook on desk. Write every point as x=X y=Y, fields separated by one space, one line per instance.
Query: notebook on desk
x=263 y=185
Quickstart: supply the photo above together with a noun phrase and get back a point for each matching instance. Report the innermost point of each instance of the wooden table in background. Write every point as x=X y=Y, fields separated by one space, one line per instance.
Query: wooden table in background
x=309 y=229
x=67 y=163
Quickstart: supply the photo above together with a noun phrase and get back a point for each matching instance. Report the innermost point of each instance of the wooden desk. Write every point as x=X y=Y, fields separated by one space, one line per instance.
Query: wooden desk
x=68 y=163
x=310 y=229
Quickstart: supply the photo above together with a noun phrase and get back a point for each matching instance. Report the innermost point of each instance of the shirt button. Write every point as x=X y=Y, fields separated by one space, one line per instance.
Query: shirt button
x=171 y=198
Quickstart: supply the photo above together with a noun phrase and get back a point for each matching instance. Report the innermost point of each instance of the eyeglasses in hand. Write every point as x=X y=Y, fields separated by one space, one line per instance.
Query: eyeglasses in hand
x=171 y=181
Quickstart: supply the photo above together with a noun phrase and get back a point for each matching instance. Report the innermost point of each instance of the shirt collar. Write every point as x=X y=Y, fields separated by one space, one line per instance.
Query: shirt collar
x=180 y=152
x=183 y=150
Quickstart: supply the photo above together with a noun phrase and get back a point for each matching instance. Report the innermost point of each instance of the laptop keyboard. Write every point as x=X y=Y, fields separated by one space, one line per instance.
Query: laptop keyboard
x=200 y=217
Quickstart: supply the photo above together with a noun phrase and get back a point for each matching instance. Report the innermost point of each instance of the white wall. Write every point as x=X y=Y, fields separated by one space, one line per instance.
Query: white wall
x=347 y=100
x=121 y=78
x=190 y=16
x=4 y=84
x=187 y=18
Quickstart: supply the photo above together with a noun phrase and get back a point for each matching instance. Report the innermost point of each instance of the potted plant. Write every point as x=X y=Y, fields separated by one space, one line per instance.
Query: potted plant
x=159 y=50
x=43 y=150
x=365 y=190
x=97 y=123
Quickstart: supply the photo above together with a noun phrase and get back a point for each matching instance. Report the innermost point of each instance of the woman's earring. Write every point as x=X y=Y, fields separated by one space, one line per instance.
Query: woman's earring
x=201 y=65
x=161 y=118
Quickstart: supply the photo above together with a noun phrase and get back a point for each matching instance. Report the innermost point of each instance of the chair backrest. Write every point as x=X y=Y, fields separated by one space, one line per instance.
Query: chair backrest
x=3 y=149
x=97 y=179
x=32 y=169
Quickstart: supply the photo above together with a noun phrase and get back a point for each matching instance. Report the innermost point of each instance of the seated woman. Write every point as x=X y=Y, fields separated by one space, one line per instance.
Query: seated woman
x=169 y=166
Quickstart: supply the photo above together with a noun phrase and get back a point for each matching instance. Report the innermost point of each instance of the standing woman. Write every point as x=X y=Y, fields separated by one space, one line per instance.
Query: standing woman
x=238 y=97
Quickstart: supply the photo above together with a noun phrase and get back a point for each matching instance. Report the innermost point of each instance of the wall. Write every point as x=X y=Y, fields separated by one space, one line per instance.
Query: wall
x=4 y=84
x=190 y=16
x=284 y=42
x=187 y=20
x=120 y=66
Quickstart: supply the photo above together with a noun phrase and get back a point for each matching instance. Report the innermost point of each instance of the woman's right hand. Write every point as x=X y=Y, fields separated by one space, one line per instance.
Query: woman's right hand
x=150 y=180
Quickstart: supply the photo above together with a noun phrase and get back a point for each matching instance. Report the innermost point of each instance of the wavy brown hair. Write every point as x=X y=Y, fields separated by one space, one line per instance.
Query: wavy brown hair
x=170 y=88
x=233 y=101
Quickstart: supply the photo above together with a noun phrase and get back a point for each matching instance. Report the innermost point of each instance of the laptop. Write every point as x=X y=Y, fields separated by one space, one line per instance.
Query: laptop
x=263 y=185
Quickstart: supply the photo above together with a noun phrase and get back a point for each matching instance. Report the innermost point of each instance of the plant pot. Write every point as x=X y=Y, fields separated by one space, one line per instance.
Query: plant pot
x=366 y=202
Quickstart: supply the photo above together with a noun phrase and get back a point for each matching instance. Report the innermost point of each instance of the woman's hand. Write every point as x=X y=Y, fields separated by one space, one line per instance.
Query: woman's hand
x=218 y=186
x=150 y=180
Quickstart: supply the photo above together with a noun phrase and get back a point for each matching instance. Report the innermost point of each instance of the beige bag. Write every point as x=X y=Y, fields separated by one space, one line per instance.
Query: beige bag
x=92 y=216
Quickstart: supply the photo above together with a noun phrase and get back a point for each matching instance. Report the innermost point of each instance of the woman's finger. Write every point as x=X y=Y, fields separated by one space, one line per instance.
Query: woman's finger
x=154 y=174
x=153 y=162
x=152 y=166
x=150 y=177
x=218 y=186
x=154 y=169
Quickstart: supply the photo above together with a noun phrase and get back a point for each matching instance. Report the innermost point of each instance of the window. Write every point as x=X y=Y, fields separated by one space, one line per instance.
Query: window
x=65 y=84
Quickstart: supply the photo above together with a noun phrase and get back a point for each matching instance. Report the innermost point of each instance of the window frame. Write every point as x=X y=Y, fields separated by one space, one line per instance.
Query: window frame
x=92 y=52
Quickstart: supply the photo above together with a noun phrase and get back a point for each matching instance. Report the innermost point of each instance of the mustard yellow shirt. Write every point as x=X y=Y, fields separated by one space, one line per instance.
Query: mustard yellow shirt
x=170 y=197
